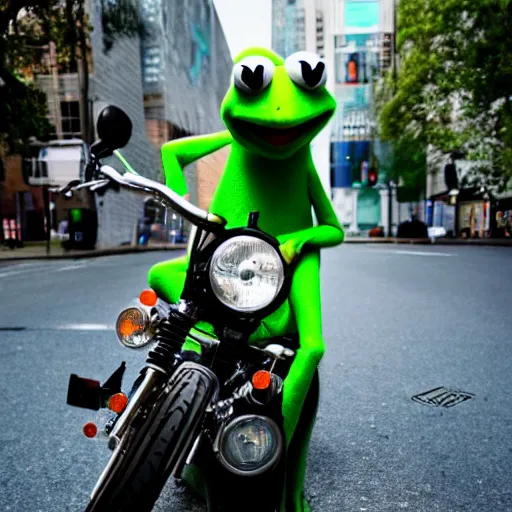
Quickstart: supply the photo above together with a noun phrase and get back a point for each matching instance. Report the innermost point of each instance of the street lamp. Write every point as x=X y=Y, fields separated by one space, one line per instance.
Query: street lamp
x=453 y=196
x=354 y=225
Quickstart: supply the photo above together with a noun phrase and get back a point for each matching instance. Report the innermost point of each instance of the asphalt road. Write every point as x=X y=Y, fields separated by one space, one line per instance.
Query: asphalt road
x=398 y=321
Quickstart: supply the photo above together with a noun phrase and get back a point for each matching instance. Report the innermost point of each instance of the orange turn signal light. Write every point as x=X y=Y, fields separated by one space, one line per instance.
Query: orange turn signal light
x=127 y=327
x=90 y=430
x=261 y=379
x=148 y=298
x=118 y=402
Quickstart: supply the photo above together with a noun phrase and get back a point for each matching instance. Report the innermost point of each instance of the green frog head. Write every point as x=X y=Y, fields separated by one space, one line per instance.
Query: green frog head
x=274 y=106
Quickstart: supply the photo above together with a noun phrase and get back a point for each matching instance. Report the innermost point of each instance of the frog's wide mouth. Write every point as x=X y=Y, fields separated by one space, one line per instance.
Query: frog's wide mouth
x=279 y=135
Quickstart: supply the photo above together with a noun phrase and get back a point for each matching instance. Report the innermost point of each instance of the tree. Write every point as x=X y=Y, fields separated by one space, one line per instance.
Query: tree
x=26 y=29
x=453 y=88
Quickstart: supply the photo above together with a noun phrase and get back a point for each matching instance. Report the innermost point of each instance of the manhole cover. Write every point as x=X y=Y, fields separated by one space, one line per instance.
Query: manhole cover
x=442 y=397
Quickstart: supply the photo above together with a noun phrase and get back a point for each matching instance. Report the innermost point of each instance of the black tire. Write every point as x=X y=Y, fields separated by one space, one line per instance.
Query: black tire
x=140 y=471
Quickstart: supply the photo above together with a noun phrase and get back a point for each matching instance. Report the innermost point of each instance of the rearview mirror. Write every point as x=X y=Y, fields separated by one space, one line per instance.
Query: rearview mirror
x=114 y=131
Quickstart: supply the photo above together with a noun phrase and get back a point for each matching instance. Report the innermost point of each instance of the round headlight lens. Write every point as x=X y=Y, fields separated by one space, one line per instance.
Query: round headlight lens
x=246 y=273
x=250 y=444
x=132 y=328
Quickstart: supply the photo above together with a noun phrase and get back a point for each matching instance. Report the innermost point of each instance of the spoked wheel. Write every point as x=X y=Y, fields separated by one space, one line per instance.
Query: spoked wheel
x=144 y=459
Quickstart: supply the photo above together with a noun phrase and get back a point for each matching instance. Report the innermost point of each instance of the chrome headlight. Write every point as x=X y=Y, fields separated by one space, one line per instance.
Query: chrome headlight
x=133 y=328
x=250 y=445
x=246 y=273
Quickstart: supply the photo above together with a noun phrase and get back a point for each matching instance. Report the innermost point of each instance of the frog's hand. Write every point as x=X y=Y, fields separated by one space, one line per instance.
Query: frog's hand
x=178 y=153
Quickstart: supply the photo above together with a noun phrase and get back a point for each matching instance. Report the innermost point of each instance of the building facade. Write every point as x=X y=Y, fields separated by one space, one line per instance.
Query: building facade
x=170 y=83
x=288 y=26
x=362 y=33
x=186 y=68
x=470 y=209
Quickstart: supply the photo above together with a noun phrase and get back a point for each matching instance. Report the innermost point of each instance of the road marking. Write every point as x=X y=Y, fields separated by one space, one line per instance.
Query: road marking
x=71 y=267
x=17 y=272
x=423 y=253
x=39 y=268
x=86 y=327
x=412 y=253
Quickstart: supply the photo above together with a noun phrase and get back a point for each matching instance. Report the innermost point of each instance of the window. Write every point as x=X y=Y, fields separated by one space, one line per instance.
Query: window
x=70 y=115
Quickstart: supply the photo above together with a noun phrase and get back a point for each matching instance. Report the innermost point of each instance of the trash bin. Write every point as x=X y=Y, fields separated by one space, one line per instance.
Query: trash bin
x=82 y=228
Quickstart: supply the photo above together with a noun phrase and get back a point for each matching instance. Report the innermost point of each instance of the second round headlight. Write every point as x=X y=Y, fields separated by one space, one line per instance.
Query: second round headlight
x=250 y=445
x=246 y=273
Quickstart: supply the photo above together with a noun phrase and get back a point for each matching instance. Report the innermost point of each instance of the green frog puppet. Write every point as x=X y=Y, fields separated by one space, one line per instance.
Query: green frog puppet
x=272 y=111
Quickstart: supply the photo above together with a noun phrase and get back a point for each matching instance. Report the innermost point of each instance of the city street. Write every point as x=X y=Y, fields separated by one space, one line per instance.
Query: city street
x=398 y=321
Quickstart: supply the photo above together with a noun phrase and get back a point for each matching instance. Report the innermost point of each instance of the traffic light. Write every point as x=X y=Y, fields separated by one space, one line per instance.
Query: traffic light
x=372 y=177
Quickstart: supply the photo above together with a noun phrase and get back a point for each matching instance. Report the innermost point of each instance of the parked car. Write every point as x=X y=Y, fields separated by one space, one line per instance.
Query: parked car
x=412 y=228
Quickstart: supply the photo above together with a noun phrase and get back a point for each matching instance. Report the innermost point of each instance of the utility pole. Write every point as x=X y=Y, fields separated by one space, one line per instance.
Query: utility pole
x=394 y=71
x=83 y=77
x=393 y=48
x=55 y=79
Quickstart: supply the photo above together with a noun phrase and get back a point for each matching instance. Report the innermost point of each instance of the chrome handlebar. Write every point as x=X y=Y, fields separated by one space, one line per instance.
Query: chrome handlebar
x=189 y=211
x=195 y=215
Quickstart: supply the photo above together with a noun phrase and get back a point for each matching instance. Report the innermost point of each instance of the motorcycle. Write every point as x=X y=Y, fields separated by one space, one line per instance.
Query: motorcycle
x=212 y=403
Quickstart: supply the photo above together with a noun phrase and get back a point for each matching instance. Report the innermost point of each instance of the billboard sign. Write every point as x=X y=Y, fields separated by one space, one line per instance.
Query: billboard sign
x=357 y=58
x=350 y=162
x=362 y=17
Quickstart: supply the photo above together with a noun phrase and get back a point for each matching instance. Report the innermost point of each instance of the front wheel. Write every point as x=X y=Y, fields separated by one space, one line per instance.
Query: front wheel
x=141 y=465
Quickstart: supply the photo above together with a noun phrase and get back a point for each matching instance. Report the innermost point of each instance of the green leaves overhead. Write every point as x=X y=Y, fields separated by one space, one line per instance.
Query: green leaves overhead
x=26 y=28
x=120 y=18
x=453 y=87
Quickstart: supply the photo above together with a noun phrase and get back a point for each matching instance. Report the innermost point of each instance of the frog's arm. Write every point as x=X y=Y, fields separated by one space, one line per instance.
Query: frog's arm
x=329 y=231
x=178 y=153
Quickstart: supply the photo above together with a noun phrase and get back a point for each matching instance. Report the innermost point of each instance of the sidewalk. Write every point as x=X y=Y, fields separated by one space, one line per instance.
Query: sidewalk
x=502 y=242
x=36 y=252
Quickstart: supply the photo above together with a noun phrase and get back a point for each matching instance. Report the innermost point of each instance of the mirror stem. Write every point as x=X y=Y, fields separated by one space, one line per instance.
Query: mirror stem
x=123 y=160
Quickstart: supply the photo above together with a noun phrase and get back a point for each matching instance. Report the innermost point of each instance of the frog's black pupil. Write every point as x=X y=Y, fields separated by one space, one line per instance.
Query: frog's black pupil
x=253 y=79
x=246 y=274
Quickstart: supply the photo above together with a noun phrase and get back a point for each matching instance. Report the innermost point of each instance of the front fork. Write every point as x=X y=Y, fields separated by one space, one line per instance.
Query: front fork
x=160 y=365
x=140 y=395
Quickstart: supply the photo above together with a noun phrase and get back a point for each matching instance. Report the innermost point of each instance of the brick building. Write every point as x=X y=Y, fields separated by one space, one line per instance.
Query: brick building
x=18 y=201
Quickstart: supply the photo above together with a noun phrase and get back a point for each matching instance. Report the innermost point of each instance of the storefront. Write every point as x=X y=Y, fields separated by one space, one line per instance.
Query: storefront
x=474 y=219
x=440 y=210
x=502 y=215
x=465 y=215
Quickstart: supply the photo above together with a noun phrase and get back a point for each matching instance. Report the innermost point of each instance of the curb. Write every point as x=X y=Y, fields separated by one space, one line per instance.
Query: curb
x=495 y=242
x=501 y=242
x=96 y=253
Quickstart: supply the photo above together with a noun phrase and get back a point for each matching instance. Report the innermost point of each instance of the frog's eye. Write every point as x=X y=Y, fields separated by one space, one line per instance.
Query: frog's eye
x=252 y=74
x=306 y=69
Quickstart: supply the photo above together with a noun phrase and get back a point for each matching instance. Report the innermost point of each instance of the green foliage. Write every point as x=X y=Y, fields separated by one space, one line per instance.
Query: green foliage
x=453 y=87
x=23 y=116
x=26 y=45
x=120 y=18
x=24 y=53
x=405 y=163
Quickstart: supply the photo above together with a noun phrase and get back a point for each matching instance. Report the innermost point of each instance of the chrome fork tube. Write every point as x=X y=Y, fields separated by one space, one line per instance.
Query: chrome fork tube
x=133 y=405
